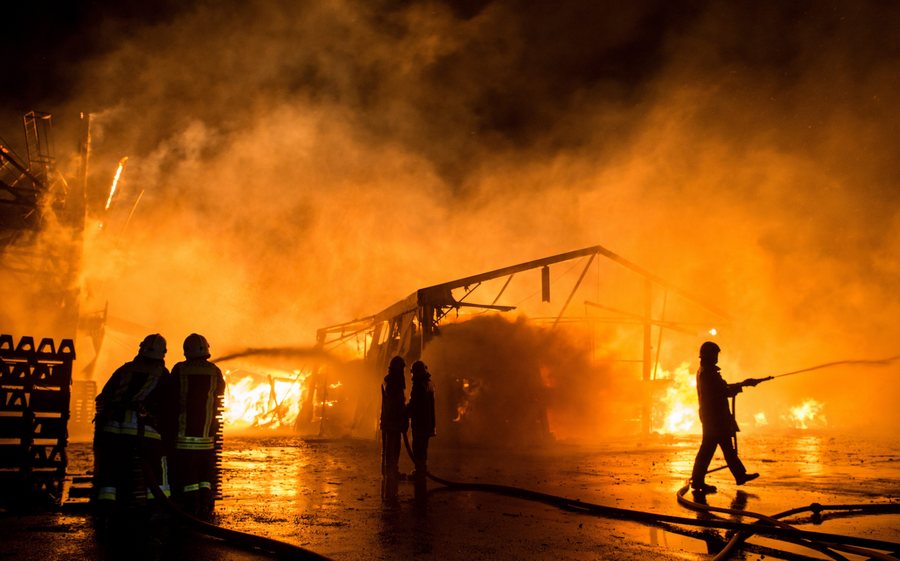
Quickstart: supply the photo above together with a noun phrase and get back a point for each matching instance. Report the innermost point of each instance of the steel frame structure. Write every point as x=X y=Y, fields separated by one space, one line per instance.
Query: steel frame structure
x=406 y=327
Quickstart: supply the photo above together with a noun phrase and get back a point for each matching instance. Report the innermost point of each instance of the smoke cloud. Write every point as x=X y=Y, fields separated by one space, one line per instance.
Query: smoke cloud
x=304 y=164
x=503 y=382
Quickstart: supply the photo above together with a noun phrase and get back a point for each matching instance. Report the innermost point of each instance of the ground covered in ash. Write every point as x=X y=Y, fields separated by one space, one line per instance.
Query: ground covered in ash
x=324 y=495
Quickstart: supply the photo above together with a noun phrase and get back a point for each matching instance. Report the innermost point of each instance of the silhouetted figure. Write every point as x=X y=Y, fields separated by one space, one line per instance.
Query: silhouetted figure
x=422 y=421
x=194 y=394
x=394 y=423
x=719 y=426
x=126 y=435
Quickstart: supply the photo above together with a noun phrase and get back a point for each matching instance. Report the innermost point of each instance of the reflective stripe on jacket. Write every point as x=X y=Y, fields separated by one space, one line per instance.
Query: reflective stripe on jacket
x=133 y=389
x=194 y=397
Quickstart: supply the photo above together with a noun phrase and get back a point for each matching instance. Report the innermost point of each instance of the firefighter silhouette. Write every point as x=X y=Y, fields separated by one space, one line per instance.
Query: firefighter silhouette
x=422 y=421
x=193 y=400
x=393 y=424
x=127 y=434
x=719 y=426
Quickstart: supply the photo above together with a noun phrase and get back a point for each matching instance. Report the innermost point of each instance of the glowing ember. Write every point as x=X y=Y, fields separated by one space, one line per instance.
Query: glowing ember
x=468 y=391
x=760 y=419
x=807 y=415
x=115 y=183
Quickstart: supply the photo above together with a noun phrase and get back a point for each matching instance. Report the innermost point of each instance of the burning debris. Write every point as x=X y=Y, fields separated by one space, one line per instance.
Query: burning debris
x=501 y=381
x=294 y=390
x=274 y=402
x=532 y=380
x=809 y=414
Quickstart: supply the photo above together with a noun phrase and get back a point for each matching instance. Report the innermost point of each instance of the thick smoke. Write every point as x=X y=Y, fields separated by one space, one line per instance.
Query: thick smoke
x=503 y=382
x=303 y=164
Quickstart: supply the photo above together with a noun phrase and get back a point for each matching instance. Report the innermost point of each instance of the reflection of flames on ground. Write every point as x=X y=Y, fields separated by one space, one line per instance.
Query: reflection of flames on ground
x=275 y=399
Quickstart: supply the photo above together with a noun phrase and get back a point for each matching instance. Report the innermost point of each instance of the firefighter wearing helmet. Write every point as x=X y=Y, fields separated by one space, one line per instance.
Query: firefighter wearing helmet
x=393 y=424
x=719 y=426
x=127 y=433
x=194 y=402
x=422 y=422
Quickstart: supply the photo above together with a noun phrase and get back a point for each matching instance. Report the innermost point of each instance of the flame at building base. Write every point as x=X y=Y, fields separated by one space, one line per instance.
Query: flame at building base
x=298 y=390
x=489 y=390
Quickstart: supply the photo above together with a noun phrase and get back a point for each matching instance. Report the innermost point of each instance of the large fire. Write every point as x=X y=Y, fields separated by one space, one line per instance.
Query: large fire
x=679 y=402
x=677 y=407
x=271 y=400
x=275 y=399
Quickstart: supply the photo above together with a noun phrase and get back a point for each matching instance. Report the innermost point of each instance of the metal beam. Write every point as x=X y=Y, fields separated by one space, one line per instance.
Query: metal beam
x=441 y=289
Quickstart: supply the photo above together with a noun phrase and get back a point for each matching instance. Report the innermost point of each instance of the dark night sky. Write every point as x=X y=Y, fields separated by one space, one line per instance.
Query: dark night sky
x=515 y=81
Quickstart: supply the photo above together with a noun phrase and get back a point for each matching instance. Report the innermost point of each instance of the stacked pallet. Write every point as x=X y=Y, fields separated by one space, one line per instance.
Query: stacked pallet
x=35 y=389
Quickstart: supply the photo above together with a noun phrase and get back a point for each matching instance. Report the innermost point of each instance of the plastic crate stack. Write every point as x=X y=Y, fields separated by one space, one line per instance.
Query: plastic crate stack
x=35 y=388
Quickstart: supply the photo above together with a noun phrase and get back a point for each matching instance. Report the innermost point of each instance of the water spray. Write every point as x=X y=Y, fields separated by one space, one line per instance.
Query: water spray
x=879 y=362
x=754 y=381
x=287 y=352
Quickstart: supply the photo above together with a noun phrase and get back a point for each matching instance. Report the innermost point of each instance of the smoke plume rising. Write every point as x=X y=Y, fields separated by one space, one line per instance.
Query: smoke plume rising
x=305 y=164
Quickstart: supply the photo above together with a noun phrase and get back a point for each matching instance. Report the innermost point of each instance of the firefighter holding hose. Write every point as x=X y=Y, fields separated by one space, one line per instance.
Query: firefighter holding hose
x=719 y=426
x=194 y=394
x=126 y=433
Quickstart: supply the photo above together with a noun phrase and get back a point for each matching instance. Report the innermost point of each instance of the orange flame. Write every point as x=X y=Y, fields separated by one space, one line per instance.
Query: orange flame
x=760 y=419
x=469 y=390
x=272 y=400
x=807 y=415
x=679 y=402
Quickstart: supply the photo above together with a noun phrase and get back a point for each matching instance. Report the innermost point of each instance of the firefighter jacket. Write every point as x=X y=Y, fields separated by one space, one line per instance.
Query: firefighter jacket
x=194 y=394
x=421 y=406
x=134 y=390
x=393 y=403
x=713 y=393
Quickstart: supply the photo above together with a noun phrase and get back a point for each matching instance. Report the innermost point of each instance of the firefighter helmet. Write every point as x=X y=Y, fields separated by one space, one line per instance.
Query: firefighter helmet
x=153 y=346
x=196 y=346
x=420 y=371
x=709 y=350
x=397 y=363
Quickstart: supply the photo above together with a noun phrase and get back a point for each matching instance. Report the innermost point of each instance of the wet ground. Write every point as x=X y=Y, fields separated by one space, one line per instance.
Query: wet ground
x=324 y=496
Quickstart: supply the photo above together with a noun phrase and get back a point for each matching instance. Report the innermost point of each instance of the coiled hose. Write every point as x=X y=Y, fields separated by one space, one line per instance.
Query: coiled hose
x=822 y=546
x=782 y=532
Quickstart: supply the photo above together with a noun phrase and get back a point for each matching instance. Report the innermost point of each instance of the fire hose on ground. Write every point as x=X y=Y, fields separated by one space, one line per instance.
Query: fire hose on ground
x=777 y=532
x=251 y=541
x=822 y=546
x=768 y=526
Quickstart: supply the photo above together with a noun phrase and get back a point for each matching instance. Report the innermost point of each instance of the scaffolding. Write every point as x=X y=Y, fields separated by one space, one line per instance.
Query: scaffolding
x=41 y=228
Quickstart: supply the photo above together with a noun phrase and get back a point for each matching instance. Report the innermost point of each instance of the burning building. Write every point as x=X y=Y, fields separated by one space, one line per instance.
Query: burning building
x=527 y=379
